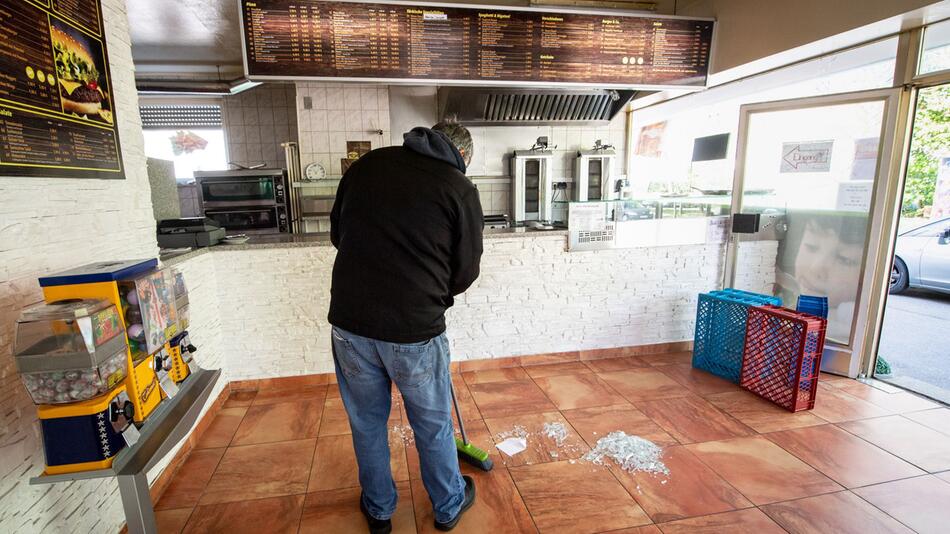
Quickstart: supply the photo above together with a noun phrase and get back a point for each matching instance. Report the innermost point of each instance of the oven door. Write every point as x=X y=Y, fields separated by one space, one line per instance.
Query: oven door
x=232 y=192
x=257 y=220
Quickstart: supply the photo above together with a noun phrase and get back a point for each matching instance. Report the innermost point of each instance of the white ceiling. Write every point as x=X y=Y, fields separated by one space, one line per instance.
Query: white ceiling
x=185 y=37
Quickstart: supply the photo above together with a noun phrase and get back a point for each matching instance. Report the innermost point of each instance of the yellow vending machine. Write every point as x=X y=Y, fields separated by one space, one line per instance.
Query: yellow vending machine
x=144 y=297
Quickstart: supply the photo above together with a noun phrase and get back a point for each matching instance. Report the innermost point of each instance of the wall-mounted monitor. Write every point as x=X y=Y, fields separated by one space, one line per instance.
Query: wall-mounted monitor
x=711 y=147
x=484 y=45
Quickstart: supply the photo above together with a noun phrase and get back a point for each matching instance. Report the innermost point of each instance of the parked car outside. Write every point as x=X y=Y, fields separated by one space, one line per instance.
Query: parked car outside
x=634 y=210
x=922 y=258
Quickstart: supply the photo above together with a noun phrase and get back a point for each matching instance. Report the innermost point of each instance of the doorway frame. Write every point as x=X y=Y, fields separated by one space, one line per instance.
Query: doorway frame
x=844 y=359
x=909 y=83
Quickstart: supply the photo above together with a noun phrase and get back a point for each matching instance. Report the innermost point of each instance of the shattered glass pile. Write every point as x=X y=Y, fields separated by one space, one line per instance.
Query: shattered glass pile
x=556 y=431
x=631 y=453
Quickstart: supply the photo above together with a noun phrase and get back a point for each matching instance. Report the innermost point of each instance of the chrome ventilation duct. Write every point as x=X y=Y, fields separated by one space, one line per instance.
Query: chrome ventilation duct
x=493 y=106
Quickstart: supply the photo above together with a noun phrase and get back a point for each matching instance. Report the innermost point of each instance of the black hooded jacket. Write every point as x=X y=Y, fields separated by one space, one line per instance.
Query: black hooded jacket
x=407 y=225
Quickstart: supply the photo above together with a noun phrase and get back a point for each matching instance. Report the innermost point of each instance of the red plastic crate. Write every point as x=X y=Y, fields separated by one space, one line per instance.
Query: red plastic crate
x=782 y=356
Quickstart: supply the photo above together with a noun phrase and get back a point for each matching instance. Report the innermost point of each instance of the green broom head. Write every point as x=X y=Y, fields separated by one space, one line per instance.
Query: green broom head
x=473 y=455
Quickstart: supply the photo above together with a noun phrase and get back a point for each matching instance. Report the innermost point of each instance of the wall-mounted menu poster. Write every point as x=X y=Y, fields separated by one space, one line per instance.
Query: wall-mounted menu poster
x=57 y=112
x=310 y=39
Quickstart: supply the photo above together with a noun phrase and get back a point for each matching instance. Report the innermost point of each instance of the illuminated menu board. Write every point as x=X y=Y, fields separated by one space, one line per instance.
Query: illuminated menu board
x=286 y=39
x=56 y=105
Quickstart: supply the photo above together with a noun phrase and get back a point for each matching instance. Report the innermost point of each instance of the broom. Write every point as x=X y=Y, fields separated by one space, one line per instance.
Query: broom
x=468 y=452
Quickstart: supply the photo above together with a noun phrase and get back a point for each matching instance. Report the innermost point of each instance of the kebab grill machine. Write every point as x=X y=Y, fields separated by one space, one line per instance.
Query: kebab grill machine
x=72 y=357
x=594 y=172
x=533 y=184
x=143 y=296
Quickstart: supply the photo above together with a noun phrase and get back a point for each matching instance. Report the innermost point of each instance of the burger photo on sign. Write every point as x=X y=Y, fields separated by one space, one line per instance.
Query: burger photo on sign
x=79 y=76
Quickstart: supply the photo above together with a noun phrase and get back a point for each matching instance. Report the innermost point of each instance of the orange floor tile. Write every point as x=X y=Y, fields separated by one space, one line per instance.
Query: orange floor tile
x=867 y=459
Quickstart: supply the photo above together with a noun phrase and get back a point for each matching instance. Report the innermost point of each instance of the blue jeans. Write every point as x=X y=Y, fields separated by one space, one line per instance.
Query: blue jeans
x=365 y=370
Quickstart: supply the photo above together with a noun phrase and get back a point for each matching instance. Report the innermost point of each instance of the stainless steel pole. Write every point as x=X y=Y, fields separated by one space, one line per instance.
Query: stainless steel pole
x=292 y=160
x=137 y=503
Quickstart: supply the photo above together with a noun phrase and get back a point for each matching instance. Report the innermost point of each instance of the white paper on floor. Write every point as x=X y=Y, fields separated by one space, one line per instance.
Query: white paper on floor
x=513 y=446
x=632 y=453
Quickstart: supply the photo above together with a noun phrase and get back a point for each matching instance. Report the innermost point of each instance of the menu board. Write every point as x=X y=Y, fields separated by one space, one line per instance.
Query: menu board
x=56 y=107
x=286 y=39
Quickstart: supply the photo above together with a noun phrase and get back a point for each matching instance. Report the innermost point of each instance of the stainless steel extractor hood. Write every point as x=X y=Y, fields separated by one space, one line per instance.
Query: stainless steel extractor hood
x=497 y=106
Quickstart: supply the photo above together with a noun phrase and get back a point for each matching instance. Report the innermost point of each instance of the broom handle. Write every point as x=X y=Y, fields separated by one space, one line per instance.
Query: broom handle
x=458 y=413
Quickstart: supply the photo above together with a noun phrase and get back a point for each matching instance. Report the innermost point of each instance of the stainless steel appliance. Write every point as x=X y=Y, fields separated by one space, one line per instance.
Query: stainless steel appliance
x=526 y=106
x=247 y=200
x=257 y=220
x=532 y=183
x=493 y=222
x=594 y=174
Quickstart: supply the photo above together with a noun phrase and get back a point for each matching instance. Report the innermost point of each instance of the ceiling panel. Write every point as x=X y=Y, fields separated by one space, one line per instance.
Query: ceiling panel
x=186 y=32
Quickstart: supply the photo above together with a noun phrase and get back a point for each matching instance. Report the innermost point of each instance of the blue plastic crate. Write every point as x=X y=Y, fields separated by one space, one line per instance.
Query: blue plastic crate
x=742 y=293
x=817 y=306
x=720 y=330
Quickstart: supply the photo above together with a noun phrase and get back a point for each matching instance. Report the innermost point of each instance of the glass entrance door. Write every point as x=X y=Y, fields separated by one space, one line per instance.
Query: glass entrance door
x=809 y=170
x=911 y=351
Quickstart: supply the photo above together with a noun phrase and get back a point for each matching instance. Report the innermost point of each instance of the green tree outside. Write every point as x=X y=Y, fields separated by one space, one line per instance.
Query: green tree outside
x=929 y=141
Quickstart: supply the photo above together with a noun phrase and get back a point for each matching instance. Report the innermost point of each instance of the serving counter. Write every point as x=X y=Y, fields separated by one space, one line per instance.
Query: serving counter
x=270 y=298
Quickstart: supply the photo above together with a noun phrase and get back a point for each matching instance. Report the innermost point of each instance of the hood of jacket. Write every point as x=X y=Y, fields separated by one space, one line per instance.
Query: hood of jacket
x=433 y=144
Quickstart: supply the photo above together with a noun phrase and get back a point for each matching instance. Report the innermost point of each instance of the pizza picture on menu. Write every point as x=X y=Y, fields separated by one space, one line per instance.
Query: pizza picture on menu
x=79 y=71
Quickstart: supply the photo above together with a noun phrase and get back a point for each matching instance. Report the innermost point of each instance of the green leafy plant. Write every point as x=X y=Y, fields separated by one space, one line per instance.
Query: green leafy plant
x=929 y=141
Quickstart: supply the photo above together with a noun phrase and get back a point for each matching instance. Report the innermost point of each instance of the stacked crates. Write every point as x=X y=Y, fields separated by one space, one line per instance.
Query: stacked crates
x=721 y=328
x=782 y=357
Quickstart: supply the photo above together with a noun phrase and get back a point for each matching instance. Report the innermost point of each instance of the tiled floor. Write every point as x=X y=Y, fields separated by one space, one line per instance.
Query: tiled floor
x=869 y=458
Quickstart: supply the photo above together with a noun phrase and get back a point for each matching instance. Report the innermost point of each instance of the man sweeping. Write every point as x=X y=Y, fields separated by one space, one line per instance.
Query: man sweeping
x=407 y=225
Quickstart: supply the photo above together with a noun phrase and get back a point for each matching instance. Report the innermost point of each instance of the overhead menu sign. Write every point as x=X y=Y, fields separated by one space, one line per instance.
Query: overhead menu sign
x=309 y=39
x=56 y=106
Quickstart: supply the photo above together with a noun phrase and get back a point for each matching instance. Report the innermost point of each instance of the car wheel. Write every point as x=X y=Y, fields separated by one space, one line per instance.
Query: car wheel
x=899 y=277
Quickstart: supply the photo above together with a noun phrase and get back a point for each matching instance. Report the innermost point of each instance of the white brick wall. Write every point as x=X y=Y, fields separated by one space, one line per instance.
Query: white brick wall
x=51 y=224
x=273 y=305
x=755 y=267
x=532 y=297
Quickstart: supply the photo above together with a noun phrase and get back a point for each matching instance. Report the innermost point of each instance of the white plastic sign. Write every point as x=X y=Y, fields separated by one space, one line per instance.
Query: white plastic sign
x=131 y=435
x=809 y=156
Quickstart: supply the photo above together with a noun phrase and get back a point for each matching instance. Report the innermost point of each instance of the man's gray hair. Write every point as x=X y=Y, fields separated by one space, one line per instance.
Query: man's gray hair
x=459 y=135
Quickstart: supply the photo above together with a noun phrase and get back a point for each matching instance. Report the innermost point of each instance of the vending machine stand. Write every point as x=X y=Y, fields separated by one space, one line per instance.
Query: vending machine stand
x=168 y=424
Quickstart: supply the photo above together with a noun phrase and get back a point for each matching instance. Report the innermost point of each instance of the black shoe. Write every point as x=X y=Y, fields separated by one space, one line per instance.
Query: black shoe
x=376 y=526
x=466 y=504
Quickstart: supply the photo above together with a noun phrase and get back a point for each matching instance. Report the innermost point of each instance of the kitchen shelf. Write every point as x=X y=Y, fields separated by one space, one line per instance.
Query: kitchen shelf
x=326 y=182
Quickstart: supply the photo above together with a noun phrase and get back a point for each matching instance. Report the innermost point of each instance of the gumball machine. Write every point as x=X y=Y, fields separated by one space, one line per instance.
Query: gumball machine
x=148 y=304
x=144 y=297
x=73 y=360
x=181 y=357
x=180 y=348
